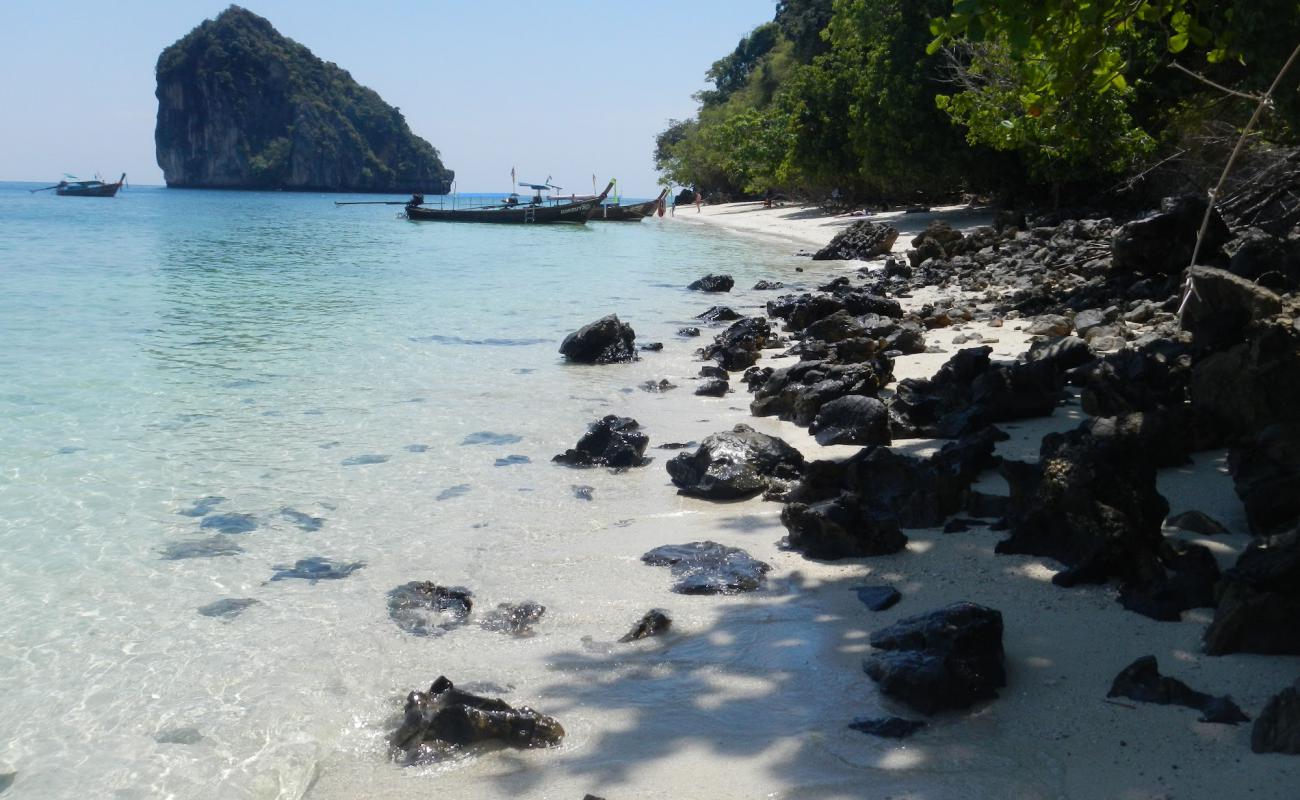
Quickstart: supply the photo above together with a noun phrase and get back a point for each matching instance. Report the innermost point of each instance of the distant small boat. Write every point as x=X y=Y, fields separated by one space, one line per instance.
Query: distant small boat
x=630 y=213
x=76 y=188
x=509 y=213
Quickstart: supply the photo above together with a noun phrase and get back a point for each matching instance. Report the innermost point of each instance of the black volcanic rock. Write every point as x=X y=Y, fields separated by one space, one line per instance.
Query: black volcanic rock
x=946 y=659
x=608 y=340
x=713 y=283
x=1142 y=681
x=735 y=464
x=436 y=722
x=861 y=240
x=611 y=441
x=242 y=107
x=1278 y=728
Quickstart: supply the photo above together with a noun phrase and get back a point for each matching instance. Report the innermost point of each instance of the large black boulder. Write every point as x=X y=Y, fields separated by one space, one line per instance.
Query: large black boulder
x=709 y=568
x=1194 y=572
x=1162 y=243
x=842 y=527
x=1223 y=307
x=443 y=719
x=947 y=659
x=1266 y=474
x=713 y=283
x=861 y=240
x=1259 y=600
x=1090 y=503
x=852 y=419
x=605 y=341
x=735 y=464
x=611 y=441
x=1277 y=730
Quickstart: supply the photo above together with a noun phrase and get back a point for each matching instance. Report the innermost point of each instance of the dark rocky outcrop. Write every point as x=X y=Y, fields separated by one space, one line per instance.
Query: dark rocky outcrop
x=1142 y=681
x=1193 y=573
x=798 y=392
x=713 y=387
x=852 y=419
x=1266 y=475
x=1162 y=243
x=605 y=341
x=655 y=622
x=970 y=391
x=855 y=507
x=1090 y=503
x=842 y=527
x=735 y=464
x=1259 y=600
x=763 y=286
x=713 y=283
x=799 y=311
x=947 y=659
x=423 y=608
x=719 y=314
x=709 y=568
x=1278 y=728
x=444 y=718
x=611 y=441
x=242 y=107
x=861 y=240
x=736 y=348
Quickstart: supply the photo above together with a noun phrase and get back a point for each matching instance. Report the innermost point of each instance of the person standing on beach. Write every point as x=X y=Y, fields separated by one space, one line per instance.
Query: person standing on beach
x=699 y=200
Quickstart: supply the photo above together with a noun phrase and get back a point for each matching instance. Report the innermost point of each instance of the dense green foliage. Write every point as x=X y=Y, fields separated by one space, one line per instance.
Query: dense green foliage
x=895 y=98
x=1082 y=87
x=297 y=120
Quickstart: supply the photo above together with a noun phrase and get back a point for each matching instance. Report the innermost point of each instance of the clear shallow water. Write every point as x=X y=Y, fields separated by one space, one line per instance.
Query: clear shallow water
x=318 y=368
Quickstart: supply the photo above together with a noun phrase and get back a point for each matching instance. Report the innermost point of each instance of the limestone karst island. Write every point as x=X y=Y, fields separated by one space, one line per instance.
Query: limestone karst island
x=242 y=107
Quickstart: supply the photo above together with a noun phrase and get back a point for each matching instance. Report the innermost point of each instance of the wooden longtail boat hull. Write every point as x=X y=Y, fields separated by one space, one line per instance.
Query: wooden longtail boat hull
x=574 y=213
x=90 y=188
x=633 y=213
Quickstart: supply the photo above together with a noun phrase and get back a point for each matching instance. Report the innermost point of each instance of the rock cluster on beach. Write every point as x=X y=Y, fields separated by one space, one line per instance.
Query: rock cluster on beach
x=1164 y=361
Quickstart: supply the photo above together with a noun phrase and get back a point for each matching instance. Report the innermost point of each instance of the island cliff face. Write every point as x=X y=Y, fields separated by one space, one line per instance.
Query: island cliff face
x=242 y=107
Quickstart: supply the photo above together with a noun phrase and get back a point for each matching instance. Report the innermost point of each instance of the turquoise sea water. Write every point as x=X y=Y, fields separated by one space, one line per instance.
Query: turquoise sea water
x=314 y=370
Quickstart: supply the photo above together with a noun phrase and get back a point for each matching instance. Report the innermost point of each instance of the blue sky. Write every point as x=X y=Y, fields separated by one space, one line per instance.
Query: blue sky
x=569 y=87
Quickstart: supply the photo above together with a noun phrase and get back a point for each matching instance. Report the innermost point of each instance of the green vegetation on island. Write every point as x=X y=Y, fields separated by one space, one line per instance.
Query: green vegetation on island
x=240 y=106
x=910 y=99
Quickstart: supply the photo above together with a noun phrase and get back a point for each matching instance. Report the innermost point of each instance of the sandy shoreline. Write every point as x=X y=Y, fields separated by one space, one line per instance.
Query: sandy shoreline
x=1052 y=733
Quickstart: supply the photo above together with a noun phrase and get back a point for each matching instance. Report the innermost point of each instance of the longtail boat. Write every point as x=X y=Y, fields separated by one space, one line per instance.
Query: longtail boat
x=510 y=213
x=630 y=213
x=76 y=188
